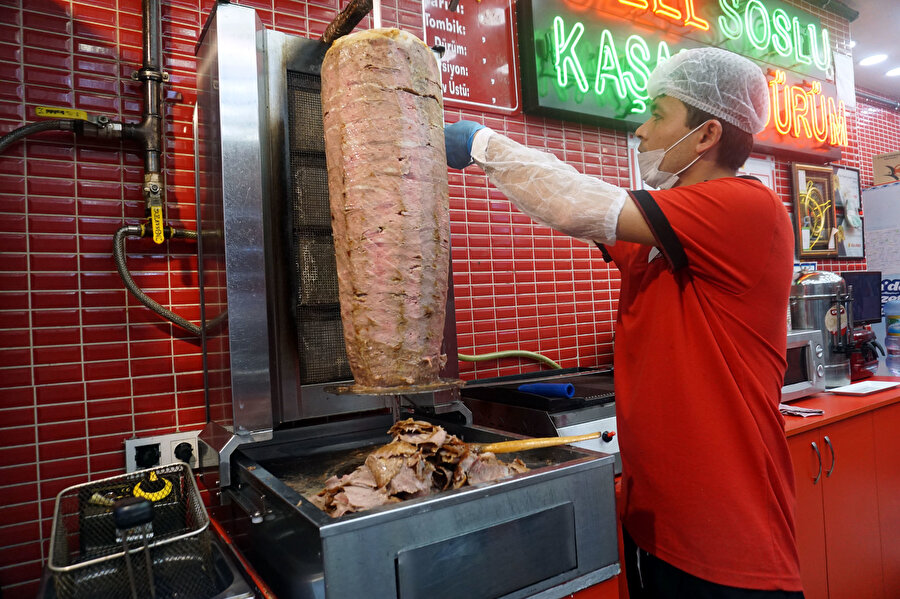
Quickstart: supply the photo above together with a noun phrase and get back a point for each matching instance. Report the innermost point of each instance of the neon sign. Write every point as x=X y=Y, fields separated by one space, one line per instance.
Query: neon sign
x=581 y=63
x=629 y=84
x=775 y=30
x=691 y=19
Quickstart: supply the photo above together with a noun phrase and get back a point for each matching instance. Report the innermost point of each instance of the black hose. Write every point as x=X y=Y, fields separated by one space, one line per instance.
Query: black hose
x=36 y=127
x=119 y=257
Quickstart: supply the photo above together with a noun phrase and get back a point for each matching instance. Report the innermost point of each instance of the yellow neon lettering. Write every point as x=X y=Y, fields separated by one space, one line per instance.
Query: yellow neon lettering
x=837 y=122
x=781 y=32
x=809 y=114
x=820 y=133
x=662 y=10
x=635 y=3
x=693 y=19
x=800 y=107
x=782 y=126
x=608 y=60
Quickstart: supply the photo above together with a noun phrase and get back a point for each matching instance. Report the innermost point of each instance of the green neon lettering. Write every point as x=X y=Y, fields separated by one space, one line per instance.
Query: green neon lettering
x=822 y=62
x=730 y=20
x=757 y=27
x=662 y=53
x=565 y=45
x=637 y=53
x=608 y=61
x=781 y=33
x=798 y=43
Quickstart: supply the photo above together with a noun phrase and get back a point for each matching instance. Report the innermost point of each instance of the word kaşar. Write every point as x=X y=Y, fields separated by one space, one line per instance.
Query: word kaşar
x=798 y=111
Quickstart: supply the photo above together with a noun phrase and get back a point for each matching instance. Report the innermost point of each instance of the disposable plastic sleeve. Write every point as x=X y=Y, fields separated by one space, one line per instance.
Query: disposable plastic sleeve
x=548 y=190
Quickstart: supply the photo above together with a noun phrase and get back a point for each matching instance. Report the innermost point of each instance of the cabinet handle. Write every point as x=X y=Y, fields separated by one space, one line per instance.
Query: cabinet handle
x=818 y=455
x=831 y=449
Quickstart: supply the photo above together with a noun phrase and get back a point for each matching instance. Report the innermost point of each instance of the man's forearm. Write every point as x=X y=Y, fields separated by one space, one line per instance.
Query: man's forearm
x=549 y=190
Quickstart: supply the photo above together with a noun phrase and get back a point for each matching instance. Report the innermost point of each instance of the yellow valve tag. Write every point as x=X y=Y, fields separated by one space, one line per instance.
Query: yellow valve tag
x=61 y=113
x=156 y=218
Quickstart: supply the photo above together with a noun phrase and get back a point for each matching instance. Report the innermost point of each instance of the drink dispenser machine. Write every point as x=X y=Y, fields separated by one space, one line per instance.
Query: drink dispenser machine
x=820 y=301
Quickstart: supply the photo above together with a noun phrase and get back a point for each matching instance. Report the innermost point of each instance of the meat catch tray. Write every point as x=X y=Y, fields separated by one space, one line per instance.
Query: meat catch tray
x=478 y=541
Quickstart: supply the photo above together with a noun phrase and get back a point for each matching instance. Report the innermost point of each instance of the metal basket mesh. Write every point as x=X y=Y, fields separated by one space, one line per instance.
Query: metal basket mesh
x=87 y=556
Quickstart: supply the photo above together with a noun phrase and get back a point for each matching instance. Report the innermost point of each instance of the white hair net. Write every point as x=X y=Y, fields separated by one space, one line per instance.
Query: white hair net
x=722 y=83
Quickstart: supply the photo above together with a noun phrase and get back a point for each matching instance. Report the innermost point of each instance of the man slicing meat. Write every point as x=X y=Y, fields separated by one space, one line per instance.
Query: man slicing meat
x=706 y=263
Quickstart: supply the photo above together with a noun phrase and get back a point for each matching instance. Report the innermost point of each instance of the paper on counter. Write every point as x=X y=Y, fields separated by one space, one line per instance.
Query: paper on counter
x=798 y=411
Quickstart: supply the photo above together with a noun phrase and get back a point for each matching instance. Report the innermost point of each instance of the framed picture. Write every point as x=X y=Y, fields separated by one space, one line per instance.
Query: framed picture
x=815 y=218
x=847 y=206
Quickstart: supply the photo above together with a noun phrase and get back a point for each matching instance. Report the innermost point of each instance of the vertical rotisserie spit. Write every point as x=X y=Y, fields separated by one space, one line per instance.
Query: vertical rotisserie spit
x=384 y=141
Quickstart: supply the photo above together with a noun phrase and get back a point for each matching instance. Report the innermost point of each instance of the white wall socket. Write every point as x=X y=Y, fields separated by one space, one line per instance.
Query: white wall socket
x=165 y=444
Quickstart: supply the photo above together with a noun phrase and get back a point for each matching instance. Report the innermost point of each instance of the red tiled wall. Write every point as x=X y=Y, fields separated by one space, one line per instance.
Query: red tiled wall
x=84 y=366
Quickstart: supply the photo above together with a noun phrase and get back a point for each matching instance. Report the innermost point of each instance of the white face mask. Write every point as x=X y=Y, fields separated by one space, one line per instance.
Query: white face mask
x=649 y=161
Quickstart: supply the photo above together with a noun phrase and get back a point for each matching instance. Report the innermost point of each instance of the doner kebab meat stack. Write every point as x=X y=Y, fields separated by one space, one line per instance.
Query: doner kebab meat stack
x=387 y=176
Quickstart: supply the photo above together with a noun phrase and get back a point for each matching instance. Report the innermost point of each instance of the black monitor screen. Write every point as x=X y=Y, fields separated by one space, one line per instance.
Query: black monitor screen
x=866 y=295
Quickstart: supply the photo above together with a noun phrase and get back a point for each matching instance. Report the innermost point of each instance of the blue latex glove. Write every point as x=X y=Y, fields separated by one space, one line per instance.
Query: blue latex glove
x=458 y=141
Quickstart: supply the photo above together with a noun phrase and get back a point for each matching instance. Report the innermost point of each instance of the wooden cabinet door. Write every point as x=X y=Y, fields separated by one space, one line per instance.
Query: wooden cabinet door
x=887 y=475
x=809 y=477
x=853 y=540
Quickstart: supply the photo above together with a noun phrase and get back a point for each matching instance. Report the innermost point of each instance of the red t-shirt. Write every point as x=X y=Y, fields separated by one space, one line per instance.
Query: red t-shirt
x=700 y=358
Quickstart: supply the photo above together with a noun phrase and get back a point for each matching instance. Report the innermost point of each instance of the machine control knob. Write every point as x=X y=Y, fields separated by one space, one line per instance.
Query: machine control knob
x=820 y=370
x=607 y=436
x=819 y=351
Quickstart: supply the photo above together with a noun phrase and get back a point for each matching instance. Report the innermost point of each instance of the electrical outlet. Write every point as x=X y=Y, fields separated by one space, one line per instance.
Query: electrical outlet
x=148 y=452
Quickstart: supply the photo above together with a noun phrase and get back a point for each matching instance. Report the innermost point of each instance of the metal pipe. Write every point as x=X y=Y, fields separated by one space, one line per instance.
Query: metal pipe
x=151 y=35
x=149 y=132
x=892 y=104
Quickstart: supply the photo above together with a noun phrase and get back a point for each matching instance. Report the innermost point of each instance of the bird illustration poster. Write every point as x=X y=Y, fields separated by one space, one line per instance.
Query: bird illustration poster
x=886 y=168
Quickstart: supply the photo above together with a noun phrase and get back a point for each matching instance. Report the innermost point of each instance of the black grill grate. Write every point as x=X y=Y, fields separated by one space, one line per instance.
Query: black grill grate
x=320 y=343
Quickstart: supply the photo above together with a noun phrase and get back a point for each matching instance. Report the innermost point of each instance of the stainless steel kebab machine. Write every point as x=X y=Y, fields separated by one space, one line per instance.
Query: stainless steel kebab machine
x=274 y=352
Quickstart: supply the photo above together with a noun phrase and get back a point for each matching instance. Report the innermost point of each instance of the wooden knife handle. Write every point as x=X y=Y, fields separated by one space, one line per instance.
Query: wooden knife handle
x=346 y=20
x=526 y=444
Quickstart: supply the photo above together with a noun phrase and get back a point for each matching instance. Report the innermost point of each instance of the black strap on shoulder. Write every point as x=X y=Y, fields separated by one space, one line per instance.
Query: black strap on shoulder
x=603 y=252
x=751 y=177
x=669 y=243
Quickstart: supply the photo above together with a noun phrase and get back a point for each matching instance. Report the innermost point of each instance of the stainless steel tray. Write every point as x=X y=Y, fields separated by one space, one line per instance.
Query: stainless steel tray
x=488 y=540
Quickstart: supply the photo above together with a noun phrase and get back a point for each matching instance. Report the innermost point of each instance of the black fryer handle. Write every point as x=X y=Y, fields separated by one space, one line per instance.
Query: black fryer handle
x=131 y=512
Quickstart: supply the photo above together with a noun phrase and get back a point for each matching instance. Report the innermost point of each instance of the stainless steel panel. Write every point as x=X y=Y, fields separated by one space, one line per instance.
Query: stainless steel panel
x=231 y=116
x=302 y=552
x=510 y=555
